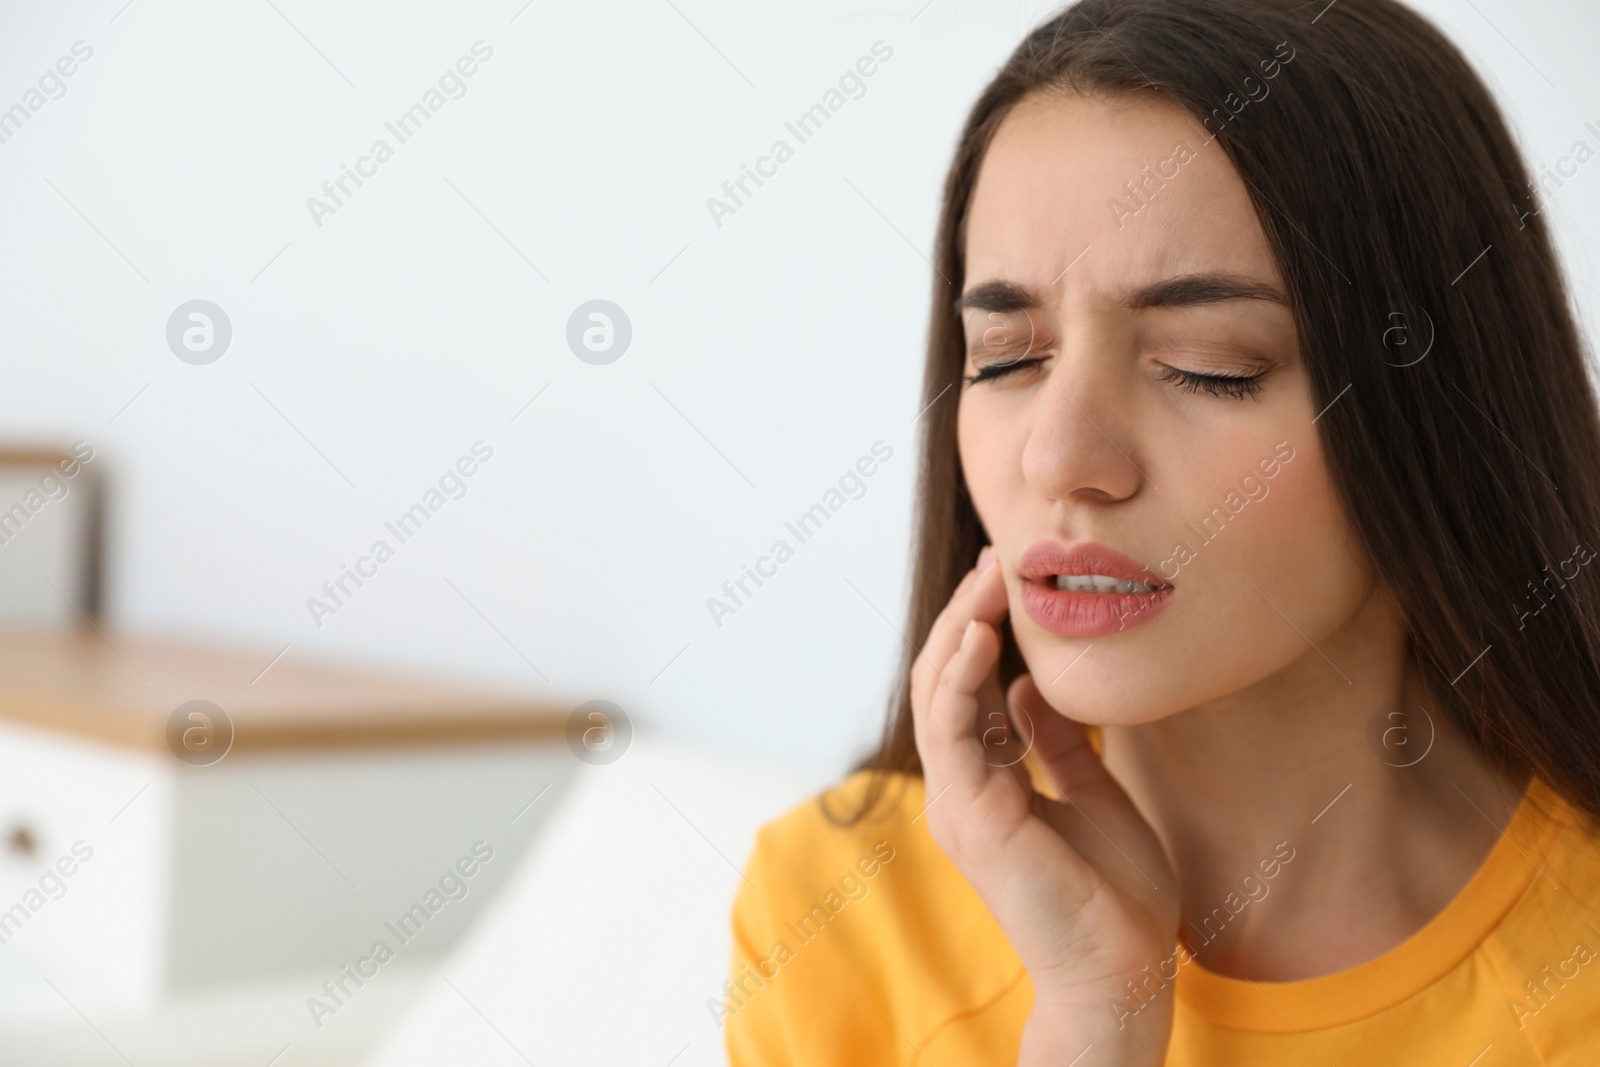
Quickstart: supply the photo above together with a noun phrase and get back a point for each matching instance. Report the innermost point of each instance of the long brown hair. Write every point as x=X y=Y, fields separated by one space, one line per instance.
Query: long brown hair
x=1393 y=198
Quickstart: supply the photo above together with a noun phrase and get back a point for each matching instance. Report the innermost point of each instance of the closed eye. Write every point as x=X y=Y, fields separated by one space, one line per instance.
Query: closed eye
x=1236 y=386
x=992 y=371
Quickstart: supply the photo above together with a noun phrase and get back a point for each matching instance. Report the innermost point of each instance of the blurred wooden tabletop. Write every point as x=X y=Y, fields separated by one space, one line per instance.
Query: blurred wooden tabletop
x=122 y=689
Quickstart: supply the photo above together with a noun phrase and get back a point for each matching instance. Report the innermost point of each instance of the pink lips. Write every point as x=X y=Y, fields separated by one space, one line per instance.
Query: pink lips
x=1078 y=614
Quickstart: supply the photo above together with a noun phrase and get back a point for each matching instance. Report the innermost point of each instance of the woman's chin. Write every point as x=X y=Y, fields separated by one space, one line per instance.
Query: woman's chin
x=1110 y=714
x=1091 y=705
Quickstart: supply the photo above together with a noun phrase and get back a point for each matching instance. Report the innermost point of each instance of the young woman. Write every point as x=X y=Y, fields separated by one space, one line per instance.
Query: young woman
x=1265 y=726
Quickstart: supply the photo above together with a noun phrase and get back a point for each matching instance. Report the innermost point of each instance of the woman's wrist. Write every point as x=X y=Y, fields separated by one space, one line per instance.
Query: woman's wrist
x=1058 y=1034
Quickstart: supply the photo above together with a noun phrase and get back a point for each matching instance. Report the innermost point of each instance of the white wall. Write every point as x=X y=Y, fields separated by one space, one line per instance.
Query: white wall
x=768 y=353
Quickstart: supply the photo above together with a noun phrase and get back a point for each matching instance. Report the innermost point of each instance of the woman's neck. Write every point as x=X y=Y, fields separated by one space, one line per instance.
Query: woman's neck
x=1311 y=829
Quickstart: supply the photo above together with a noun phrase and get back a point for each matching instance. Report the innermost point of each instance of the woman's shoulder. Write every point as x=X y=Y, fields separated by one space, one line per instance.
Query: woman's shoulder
x=870 y=826
x=1550 y=938
x=861 y=836
x=885 y=801
x=828 y=902
x=847 y=813
x=865 y=817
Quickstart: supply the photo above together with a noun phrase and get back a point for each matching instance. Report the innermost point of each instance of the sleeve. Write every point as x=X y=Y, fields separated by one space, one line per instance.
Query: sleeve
x=756 y=1025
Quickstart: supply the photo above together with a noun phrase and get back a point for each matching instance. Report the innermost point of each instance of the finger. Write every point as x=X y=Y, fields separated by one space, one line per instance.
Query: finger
x=1003 y=740
x=945 y=633
x=948 y=734
x=980 y=596
x=1062 y=744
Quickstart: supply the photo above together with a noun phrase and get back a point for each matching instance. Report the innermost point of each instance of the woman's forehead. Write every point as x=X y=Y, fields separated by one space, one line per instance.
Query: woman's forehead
x=1110 y=193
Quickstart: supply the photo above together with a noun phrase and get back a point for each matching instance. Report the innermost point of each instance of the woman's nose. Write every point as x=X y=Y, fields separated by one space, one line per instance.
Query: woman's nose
x=1083 y=443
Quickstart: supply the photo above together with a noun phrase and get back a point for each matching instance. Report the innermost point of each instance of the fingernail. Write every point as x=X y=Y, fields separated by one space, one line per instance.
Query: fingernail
x=985 y=557
x=966 y=635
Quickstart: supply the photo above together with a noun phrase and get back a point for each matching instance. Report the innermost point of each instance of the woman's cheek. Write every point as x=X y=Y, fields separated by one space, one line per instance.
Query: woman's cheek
x=991 y=464
x=1299 y=549
x=1246 y=572
x=977 y=468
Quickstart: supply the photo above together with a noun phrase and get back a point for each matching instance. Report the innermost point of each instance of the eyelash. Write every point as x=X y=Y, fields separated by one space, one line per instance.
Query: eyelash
x=1236 y=387
x=995 y=370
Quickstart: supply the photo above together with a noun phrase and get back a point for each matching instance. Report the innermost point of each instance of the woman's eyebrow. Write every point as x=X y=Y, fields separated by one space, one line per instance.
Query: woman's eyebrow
x=1189 y=290
x=1184 y=290
x=998 y=295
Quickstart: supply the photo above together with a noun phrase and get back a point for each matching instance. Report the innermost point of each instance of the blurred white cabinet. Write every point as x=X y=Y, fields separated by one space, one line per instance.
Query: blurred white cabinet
x=345 y=801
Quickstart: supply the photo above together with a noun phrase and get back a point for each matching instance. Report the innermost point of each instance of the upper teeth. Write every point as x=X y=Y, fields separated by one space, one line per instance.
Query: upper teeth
x=1099 y=583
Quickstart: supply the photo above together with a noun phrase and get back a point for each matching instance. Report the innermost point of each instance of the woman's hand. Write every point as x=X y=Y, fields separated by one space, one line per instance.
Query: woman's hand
x=1081 y=886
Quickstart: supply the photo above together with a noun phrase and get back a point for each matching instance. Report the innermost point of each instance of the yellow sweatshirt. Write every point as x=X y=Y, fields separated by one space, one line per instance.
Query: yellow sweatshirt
x=866 y=945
